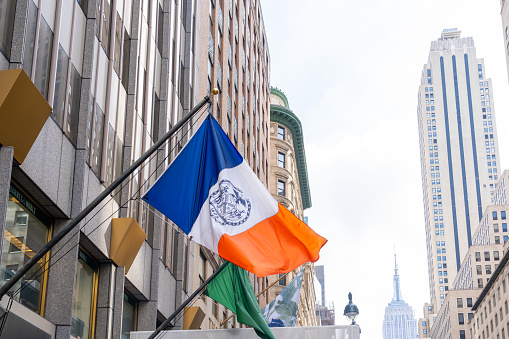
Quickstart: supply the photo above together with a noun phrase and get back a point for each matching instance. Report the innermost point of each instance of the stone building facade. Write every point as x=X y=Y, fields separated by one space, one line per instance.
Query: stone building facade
x=288 y=184
x=118 y=74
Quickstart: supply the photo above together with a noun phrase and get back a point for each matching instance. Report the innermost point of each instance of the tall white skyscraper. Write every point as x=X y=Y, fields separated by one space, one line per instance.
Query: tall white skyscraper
x=399 y=320
x=459 y=153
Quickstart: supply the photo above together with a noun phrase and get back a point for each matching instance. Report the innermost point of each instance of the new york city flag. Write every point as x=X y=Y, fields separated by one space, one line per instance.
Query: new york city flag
x=212 y=194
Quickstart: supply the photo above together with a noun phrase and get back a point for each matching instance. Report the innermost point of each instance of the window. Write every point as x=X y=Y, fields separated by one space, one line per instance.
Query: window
x=494 y=213
x=462 y=333
x=504 y=227
x=128 y=316
x=487 y=256
x=459 y=302
x=496 y=255
x=26 y=231
x=83 y=310
x=488 y=269
x=477 y=256
x=202 y=273
x=495 y=228
x=461 y=319
x=469 y=302
x=282 y=281
x=6 y=27
x=281 y=159
x=281 y=188
x=497 y=239
x=280 y=133
x=479 y=283
x=43 y=61
x=502 y=215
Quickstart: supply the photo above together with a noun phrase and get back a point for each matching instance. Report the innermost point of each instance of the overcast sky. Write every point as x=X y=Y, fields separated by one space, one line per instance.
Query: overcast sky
x=351 y=71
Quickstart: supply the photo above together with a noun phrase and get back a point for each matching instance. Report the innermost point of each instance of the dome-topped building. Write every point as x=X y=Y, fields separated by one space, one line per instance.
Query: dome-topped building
x=399 y=320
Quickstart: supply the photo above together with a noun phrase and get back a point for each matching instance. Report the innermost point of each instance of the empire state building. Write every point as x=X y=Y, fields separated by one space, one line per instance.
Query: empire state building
x=399 y=320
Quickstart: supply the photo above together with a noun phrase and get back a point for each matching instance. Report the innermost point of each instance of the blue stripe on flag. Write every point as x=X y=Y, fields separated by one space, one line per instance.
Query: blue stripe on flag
x=184 y=187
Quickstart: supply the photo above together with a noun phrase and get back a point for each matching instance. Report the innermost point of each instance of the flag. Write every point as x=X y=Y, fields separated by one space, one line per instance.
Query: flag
x=282 y=311
x=212 y=194
x=232 y=289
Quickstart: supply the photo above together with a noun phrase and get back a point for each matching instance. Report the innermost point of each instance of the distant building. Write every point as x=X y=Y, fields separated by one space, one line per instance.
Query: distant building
x=459 y=153
x=426 y=322
x=320 y=275
x=399 y=320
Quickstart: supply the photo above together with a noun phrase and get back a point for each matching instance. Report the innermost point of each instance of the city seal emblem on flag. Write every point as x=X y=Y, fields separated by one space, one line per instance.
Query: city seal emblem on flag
x=228 y=207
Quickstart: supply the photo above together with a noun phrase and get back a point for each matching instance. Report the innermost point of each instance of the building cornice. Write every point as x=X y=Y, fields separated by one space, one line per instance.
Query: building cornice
x=277 y=92
x=285 y=116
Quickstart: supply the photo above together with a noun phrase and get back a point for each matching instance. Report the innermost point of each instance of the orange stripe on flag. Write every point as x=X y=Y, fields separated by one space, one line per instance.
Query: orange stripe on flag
x=278 y=244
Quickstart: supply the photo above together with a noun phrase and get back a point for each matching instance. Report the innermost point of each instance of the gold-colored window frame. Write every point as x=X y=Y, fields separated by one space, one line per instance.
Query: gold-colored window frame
x=49 y=234
x=95 y=284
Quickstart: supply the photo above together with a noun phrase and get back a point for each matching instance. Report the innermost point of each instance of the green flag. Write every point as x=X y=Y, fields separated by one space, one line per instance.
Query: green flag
x=232 y=288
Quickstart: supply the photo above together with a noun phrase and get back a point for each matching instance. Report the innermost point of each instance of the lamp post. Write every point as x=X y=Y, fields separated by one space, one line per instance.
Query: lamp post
x=351 y=311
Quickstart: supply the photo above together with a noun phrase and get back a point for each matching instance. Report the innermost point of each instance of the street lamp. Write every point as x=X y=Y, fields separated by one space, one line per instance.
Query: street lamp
x=351 y=311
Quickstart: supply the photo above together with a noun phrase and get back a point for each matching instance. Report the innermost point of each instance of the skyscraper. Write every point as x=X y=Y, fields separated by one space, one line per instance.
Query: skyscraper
x=459 y=153
x=399 y=320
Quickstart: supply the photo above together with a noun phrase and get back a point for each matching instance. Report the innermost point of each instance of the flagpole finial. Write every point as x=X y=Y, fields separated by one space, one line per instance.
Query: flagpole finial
x=215 y=91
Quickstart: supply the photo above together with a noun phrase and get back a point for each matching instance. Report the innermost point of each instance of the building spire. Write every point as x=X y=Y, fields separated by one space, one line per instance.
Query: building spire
x=397 y=290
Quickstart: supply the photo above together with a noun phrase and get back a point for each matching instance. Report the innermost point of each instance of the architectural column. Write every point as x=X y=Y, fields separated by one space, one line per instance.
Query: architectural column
x=6 y=158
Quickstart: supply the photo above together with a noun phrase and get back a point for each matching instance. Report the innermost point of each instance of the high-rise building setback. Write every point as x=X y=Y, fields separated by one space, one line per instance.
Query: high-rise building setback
x=459 y=154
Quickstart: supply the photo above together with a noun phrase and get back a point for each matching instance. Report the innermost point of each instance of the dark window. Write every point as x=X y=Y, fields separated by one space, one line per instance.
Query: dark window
x=281 y=133
x=477 y=256
x=488 y=269
x=487 y=256
x=43 y=62
x=281 y=188
x=28 y=50
x=281 y=159
x=461 y=319
x=459 y=302
x=469 y=302
x=282 y=282
x=118 y=42
x=462 y=334
x=60 y=87
x=496 y=255
x=502 y=215
x=6 y=26
x=494 y=214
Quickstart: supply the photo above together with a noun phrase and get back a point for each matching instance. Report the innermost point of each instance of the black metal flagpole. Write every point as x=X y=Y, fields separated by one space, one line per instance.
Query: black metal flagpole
x=72 y=223
x=188 y=300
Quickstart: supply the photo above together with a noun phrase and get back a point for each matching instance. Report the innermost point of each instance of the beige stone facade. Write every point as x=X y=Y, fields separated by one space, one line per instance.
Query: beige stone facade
x=491 y=318
x=452 y=320
x=233 y=57
x=425 y=323
x=288 y=185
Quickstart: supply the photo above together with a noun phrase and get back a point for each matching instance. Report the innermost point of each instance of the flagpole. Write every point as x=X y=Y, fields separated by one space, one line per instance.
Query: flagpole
x=188 y=300
x=73 y=222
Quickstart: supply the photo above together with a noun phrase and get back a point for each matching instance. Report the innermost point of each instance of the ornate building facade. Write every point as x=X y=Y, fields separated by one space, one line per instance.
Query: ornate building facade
x=288 y=183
